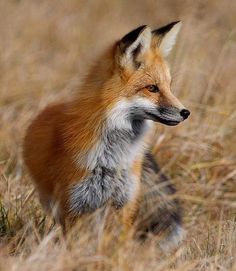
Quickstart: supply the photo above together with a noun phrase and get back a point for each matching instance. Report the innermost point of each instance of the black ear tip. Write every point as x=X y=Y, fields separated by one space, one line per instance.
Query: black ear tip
x=164 y=29
x=137 y=30
x=132 y=36
x=141 y=27
x=173 y=24
x=176 y=22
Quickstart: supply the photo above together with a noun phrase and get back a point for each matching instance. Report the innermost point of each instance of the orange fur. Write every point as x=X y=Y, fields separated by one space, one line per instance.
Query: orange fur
x=61 y=135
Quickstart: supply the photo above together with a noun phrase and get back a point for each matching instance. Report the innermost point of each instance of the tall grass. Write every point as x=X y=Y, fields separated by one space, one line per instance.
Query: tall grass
x=45 y=48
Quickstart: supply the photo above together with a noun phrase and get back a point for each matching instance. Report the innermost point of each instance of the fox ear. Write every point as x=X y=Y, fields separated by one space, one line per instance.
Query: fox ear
x=166 y=37
x=133 y=46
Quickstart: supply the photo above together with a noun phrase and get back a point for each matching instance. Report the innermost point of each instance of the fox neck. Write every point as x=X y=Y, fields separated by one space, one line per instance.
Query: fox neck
x=118 y=147
x=110 y=140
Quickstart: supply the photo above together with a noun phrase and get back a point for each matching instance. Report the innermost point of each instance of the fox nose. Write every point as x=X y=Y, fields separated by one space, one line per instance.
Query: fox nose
x=185 y=113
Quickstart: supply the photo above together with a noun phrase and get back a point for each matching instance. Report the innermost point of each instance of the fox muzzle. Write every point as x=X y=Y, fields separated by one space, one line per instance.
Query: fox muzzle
x=168 y=115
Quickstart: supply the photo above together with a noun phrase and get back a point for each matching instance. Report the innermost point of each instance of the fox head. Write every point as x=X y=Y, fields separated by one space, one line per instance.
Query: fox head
x=134 y=79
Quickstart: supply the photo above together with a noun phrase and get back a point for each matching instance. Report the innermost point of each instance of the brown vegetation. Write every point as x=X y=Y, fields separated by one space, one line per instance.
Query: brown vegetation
x=45 y=49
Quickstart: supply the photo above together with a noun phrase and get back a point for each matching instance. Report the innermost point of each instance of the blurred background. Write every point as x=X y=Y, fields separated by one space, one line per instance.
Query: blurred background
x=45 y=49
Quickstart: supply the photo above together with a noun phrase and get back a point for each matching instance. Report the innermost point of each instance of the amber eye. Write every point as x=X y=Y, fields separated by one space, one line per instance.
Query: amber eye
x=153 y=88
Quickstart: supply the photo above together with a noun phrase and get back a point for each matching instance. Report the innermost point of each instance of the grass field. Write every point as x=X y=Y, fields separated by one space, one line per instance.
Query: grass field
x=45 y=49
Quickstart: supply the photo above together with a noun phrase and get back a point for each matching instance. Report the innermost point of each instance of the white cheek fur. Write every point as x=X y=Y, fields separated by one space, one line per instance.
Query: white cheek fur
x=118 y=116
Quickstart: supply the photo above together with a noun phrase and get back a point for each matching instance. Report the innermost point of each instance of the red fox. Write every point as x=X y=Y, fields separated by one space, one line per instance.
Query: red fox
x=95 y=149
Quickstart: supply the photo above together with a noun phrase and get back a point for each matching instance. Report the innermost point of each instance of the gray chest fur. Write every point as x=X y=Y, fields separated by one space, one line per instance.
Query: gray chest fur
x=99 y=188
x=110 y=179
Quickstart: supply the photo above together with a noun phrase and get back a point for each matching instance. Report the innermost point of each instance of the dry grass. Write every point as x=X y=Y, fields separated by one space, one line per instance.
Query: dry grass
x=45 y=48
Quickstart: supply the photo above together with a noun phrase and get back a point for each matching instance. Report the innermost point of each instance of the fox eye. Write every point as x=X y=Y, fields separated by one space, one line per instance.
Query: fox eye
x=153 y=88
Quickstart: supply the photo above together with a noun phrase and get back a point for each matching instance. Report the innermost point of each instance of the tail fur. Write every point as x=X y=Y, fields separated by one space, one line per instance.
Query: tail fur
x=160 y=212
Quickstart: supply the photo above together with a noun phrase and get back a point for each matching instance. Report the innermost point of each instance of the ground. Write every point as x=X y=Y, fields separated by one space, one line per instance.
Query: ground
x=45 y=49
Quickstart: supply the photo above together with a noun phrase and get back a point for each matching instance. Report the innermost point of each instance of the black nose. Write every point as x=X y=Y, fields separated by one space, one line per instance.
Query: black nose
x=185 y=113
